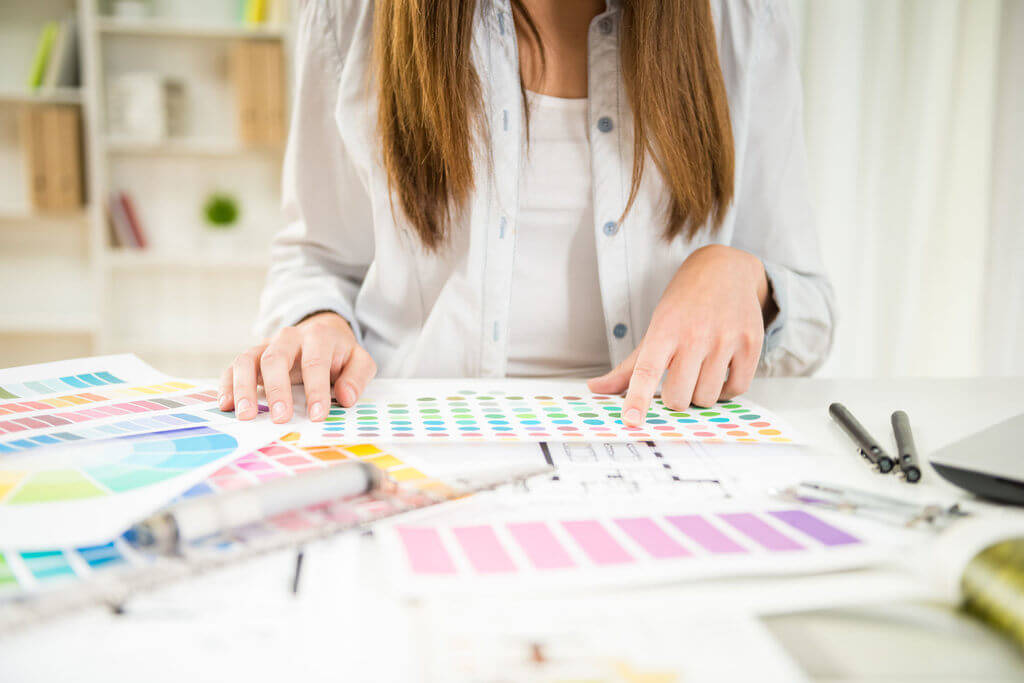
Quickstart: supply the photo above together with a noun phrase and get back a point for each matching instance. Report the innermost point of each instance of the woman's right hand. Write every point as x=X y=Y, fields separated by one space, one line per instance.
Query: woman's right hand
x=321 y=352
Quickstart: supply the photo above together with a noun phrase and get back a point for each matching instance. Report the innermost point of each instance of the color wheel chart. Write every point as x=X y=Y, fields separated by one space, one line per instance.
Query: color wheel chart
x=572 y=548
x=51 y=568
x=394 y=411
x=127 y=398
x=136 y=463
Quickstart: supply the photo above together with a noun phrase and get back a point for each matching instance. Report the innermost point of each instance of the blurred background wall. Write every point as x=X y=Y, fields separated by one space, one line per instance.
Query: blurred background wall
x=153 y=238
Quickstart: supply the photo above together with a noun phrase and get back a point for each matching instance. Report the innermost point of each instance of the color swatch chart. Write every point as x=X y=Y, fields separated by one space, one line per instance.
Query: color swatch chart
x=40 y=413
x=553 y=546
x=390 y=412
x=21 y=571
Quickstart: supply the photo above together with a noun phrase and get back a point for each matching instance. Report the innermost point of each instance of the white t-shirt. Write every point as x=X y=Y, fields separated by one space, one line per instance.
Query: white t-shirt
x=556 y=321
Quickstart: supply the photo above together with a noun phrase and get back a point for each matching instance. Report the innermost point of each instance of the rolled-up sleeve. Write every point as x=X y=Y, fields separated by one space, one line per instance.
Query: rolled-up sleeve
x=774 y=215
x=319 y=259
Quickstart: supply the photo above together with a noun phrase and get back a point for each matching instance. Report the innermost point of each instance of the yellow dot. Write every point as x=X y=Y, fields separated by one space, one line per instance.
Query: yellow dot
x=770 y=432
x=781 y=439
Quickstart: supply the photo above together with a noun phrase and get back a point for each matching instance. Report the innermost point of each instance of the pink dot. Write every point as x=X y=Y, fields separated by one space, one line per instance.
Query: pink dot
x=725 y=425
x=664 y=427
x=568 y=429
x=760 y=424
x=703 y=434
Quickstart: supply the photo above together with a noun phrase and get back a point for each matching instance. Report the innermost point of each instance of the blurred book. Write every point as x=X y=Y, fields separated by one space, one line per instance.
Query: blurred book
x=124 y=221
x=264 y=12
x=44 y=47
x=257 y=68
x=51 y=141
x=145 y=107
x=62 y=65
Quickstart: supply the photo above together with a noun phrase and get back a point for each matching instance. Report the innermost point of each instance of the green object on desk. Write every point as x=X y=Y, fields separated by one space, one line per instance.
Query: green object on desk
x=993 y=588
x=221 y=210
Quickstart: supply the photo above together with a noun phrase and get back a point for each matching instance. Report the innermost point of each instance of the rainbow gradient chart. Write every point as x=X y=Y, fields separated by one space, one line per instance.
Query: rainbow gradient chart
x=97 y=398
x=528 y=410
x=566 y=549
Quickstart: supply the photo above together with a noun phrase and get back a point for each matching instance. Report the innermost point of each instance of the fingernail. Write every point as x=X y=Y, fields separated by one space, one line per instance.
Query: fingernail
x=222 y=401
x=633 y=416
x=242 y=407
x=278 y=410
x=316 y=411
x=348 y=395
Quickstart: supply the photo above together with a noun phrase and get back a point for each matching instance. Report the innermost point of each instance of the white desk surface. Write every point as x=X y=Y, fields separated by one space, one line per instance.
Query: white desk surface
x=242 y=623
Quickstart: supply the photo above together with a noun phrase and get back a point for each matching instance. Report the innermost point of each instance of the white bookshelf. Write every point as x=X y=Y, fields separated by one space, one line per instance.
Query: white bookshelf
x=186 y=303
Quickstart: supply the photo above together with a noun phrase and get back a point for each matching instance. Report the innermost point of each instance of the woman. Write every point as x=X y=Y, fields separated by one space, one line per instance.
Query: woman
x=538 y=188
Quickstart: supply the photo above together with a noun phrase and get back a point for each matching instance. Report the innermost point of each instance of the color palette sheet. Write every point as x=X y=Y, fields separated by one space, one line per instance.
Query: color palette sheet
x=89 y=492
x=566 y=549
x=37 y=570
x=98 y=398
x=533 y=410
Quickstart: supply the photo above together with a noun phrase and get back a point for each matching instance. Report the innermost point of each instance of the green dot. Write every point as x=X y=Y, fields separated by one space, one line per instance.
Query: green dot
x=559 y=415
x=429 y=411
x=426 y=398
x=710 y=413
x=679 y=414
x=588 y=414
x=398 y=405
x=732 y=405
x=615 y=414
x=398 y=411
x=461 y=411
x=485 y=398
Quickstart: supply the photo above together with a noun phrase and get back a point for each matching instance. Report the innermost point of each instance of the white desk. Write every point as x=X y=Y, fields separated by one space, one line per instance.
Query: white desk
x=243 y=624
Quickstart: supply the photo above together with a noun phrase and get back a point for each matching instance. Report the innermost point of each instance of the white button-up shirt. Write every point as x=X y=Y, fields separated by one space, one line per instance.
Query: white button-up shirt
x=446 y=314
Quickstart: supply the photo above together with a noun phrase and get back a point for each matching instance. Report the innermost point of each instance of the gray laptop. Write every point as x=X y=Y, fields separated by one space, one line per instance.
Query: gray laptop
x=989 y=464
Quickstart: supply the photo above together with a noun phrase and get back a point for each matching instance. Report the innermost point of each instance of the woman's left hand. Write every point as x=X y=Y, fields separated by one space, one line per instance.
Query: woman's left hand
x=706 y=334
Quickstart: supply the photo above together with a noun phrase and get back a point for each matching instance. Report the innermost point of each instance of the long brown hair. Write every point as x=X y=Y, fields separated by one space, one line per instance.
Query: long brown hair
x=430 y=110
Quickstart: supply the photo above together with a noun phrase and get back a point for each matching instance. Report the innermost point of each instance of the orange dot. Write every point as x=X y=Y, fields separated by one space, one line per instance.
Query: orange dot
x=781 y=439
x=737 y=433
x=770 y=432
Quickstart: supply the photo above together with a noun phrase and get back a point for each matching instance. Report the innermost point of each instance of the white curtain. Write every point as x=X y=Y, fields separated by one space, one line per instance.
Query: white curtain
x=915 y=135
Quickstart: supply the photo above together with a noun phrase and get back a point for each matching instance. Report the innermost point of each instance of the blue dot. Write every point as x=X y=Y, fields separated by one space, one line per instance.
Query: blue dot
x=750 y=416
x=592 y=421
x=502 y=429
x=435 y=429
x=620 y=331
x=656 y=421
x=719 y=419
x=561 y=422
x=530 y=422
x=401 y=422
x=687 y=420
x=433 y=422
x=498 y=422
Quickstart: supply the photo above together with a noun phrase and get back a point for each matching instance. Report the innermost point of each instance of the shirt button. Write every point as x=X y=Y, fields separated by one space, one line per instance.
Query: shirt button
x=605 y=26
x=610 y=228
x=604 y=124
x=620 y=331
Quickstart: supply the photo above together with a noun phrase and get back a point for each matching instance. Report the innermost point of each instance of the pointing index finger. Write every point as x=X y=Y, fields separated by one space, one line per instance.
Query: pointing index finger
x=643 y=383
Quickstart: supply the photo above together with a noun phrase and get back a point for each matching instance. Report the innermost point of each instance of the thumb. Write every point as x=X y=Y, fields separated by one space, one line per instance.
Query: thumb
x=616 y=381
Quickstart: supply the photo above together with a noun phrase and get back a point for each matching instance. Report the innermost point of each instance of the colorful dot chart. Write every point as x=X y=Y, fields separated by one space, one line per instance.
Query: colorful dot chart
x=566 y=547
x=518 y=410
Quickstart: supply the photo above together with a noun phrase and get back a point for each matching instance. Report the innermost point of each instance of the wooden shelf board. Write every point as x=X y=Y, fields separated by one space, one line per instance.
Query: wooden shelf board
x=127 y=259
x=46 y=323
x=185 y=147
x=42 y=96
x=166 y=29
